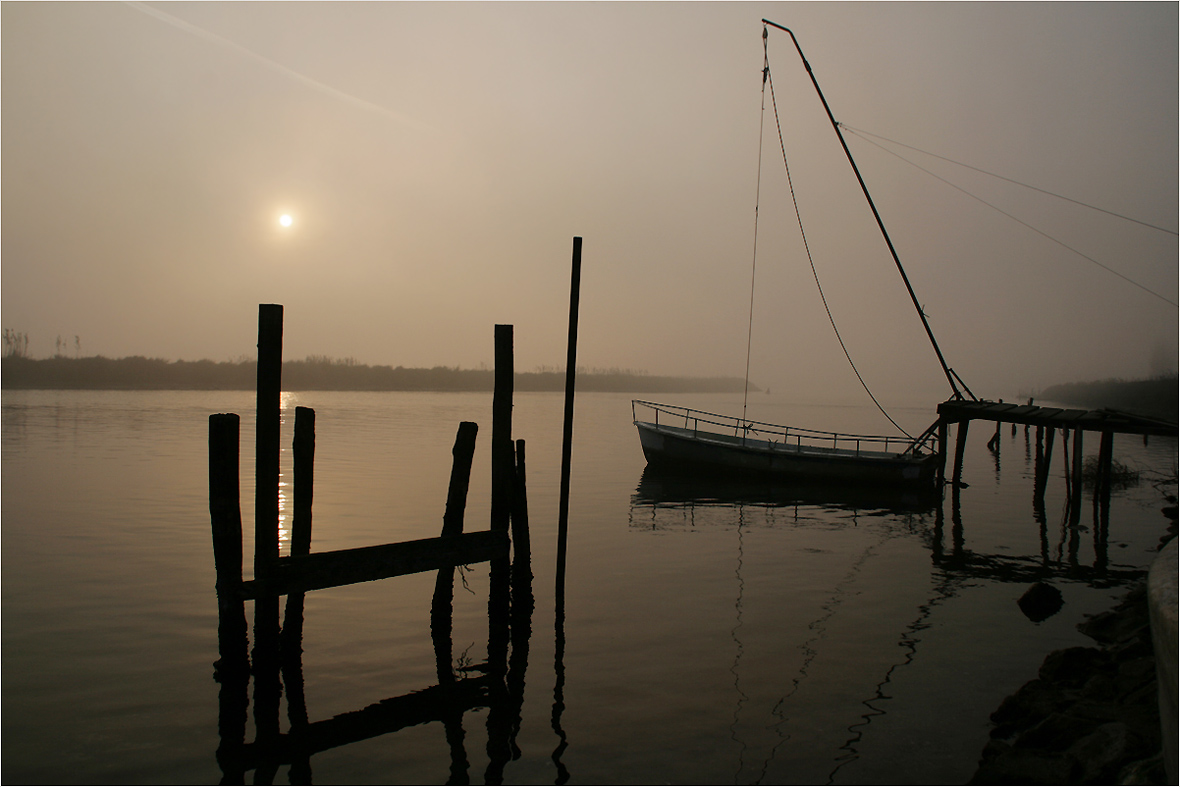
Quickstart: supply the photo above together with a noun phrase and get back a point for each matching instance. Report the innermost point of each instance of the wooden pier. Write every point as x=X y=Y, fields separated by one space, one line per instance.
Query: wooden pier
x=1048 y=420
x=275 y=661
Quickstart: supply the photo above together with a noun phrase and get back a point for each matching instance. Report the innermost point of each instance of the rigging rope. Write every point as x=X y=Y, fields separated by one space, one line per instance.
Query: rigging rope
x=754 y=263
x=1064 y=245
x=862 y=133
x=766 y=78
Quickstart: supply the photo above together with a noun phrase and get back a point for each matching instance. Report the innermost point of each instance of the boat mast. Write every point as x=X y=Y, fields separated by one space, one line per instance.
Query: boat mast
x=950 y=375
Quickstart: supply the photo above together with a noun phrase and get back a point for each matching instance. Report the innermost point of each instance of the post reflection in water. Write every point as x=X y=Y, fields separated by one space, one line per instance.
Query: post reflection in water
x=276 y=660
x=498 y=687
x=675 y=504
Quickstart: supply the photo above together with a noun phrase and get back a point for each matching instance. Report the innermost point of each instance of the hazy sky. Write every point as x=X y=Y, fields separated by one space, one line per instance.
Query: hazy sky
x=438 y=158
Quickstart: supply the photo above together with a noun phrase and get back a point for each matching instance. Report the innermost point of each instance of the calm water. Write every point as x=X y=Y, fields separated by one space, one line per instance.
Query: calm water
x=711 y=635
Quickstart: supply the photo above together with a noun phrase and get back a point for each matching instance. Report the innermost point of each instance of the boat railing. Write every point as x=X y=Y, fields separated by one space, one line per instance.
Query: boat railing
x=704 y=422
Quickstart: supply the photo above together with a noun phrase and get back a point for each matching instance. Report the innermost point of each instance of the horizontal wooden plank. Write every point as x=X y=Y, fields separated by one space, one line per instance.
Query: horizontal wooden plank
x=321 y=570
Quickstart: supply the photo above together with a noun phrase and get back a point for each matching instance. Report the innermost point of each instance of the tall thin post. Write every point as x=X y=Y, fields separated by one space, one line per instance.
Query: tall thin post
x=266 y=523
x=266 y=490
x=503 y=480
x=567 y=438
x=503 y=459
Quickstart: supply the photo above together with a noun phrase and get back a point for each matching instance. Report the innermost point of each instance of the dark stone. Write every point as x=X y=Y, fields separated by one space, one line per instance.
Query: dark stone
x=1149 y=771
x=1096 y=753
x=1032 y=702
x=1040 y=602
x=1072 y=667
x=1090 y=717
x=1024 y=766
x=1057 y=732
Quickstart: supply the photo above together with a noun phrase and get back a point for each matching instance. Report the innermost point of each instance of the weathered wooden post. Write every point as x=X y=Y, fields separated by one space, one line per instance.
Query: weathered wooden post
x=503 y=474
x=441 y=607
x=303 y=463
x=571 y=366
x=232 y=669
x=960 y=444
x=266 y=522
x=502 y=458
x=1102 y=487
x=1076 y=500
x=942 y=446
x=1105 y=459
x=521 y=621
x=521 y=545
x=266 y=472
x=567 y=439
x=226 y=517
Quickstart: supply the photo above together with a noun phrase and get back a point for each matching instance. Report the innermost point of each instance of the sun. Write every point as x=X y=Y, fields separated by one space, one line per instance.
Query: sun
x=285 y=220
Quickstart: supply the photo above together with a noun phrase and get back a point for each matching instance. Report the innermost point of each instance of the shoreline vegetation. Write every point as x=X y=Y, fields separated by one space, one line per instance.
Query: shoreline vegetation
x=321 y=374
x=1156 y=397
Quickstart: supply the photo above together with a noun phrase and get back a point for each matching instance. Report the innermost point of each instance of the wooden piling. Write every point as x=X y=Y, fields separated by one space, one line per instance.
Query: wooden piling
x=567 y=439
x=942 y=446
x=461 y=453
x=1076 y=499
x=521 y=547
x=503 y=480
x=266 y=490
x=960 y=445
x=1105 y=460
x=226 y=518
x=503 y=463
x=267 y=689
x=303 y=461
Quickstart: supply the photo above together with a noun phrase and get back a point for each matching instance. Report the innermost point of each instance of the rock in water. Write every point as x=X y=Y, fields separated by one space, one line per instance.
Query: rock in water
x=1040 y=602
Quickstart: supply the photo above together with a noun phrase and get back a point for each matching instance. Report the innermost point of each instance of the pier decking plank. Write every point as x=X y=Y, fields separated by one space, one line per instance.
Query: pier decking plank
x=1113 y=421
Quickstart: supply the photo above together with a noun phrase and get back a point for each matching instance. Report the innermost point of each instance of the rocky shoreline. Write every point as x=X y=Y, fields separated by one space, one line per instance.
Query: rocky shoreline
x=1092 y=714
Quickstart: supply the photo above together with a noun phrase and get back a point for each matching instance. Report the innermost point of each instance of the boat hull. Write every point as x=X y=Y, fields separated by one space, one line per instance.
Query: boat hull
x=670 y=447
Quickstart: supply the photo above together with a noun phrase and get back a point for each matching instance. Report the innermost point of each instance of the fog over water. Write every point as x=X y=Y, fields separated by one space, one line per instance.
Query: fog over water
x=436 y=160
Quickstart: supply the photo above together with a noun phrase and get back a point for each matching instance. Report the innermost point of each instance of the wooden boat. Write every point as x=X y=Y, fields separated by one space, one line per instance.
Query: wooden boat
x=684 y=439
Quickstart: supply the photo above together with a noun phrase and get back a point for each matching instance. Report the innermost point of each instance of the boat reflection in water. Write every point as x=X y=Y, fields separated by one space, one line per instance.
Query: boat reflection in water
x=661 y=487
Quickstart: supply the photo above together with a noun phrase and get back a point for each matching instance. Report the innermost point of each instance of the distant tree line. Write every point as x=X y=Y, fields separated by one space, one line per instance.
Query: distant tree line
x=318 y=373
x=1155 y=397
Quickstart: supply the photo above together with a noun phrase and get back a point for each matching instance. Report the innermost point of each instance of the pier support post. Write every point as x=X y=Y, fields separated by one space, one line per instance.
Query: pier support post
x=960 y=444
x=1105 y=460
x=942 y=447
x=1075 y=515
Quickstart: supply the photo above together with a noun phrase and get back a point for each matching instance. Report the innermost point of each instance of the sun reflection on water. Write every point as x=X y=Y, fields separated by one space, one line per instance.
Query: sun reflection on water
x=287 y=402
